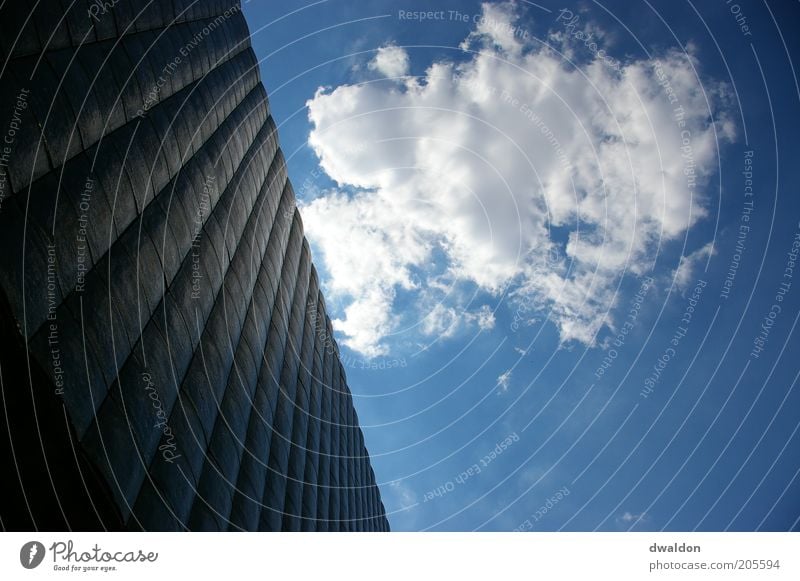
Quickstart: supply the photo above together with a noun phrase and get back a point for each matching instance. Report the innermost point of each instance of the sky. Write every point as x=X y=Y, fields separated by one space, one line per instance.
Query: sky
x=559 y=244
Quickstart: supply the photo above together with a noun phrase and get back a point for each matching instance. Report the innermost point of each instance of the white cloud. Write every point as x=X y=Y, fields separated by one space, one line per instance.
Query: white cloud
x=629 y=517
x=404 y=495
x=503 y=381
x=390 y=61
x=441 y=321
x=445 y=321
x=484 y=317
x=480 y=172
x=683 y=274
x=496 y=27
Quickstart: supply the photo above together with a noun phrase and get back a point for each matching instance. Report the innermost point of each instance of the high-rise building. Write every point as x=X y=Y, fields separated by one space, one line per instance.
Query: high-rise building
x=167 y=362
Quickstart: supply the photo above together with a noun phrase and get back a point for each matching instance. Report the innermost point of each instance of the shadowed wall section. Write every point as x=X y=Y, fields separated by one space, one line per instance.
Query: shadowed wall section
x=168 y=363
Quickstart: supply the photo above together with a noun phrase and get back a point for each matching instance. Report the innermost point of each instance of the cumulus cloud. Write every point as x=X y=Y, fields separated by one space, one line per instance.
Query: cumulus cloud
x=510 y=171
x=390 y=61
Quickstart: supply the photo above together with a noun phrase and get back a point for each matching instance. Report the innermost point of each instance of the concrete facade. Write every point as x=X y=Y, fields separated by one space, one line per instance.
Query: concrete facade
x=163 y=325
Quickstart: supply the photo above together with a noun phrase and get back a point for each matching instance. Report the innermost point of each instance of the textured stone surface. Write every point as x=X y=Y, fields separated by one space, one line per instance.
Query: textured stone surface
x=149 y=223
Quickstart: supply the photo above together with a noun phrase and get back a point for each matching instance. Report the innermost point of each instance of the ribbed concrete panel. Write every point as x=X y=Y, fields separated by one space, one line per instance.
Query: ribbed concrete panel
x=276 y=485
x=135 y=251
x=91 y=92
x=151 y=238
x=292 y=510
x=126 y=400
x=337 y=458
x=30 y=28
x=323 y=482
x=252 y=475
x=345 y=467
x=313 y=442
x=353 y=471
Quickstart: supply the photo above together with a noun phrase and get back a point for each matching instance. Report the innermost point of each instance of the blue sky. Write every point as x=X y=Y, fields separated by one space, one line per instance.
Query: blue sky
x=526 y=248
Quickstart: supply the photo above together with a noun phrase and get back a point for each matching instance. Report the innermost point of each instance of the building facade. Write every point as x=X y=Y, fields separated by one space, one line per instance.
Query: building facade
x=167 y=361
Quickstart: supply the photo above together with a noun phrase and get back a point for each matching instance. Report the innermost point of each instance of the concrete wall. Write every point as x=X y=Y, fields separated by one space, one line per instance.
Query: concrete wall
x=156 y=276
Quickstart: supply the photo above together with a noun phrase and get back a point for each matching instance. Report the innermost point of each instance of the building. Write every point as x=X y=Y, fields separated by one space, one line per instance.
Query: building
x=167 y=363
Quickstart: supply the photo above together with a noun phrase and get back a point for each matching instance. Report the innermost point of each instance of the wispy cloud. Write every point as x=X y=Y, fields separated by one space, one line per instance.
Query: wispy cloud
x=629 y=517
x=404 y=496
x=503 y=381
